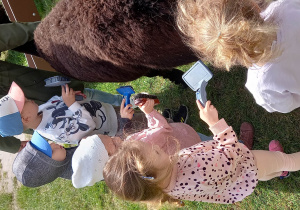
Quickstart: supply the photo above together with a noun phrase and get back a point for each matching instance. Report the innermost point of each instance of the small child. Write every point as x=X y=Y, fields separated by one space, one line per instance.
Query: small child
x=33 y=168
x=217 y=171
x=40 y=163
x=230 y=32
x=88 y=160
x=169 y=137
x=61 y=119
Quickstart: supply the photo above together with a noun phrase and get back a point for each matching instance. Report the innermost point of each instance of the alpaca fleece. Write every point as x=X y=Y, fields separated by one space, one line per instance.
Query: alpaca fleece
x=112 y=40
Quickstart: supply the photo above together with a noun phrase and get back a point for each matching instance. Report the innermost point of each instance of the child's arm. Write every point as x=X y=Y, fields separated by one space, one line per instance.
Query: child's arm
x=68 y=95
x=126 y=114
x=222 y=132
x=154 y=118
x=208 y=114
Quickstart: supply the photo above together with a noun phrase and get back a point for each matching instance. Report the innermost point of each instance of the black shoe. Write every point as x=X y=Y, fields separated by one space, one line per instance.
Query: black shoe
x=167 y=113
x=181 y=115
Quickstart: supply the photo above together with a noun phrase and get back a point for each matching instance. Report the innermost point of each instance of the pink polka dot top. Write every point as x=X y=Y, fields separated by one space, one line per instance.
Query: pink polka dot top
x=217 y=171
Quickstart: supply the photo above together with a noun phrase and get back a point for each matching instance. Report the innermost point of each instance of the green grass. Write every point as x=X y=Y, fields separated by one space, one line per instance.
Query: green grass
x=5 y=201
x=14 y=57
x=60 y=194
x=44 y=6
x=227 y=92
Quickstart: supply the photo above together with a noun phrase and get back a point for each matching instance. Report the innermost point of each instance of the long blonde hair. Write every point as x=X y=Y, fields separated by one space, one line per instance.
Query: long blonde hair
x=227 y=32
x=128 y=173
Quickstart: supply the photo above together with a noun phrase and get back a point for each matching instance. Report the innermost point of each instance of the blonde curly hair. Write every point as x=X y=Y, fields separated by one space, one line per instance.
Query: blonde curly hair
x=227 y=32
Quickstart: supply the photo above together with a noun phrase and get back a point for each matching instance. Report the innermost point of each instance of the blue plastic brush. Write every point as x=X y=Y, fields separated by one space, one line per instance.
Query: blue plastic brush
x=126 y=92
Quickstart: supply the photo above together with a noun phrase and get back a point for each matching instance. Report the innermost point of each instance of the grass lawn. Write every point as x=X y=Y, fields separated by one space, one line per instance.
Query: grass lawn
x=227 y=92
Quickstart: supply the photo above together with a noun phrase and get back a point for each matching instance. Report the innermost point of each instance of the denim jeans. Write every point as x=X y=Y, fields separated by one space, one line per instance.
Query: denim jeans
x=204 y=137
x=98 y=95
x=207 y=138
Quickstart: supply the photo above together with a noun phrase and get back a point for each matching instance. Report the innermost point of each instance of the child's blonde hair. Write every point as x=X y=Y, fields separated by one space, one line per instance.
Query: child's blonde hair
x=128 y=173
x=227 y=32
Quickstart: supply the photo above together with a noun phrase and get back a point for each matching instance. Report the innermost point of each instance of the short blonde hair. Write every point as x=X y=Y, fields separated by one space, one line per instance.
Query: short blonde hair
x=227 y=32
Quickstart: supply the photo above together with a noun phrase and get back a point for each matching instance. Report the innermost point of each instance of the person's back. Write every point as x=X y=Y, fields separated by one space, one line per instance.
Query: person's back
x=275 y=85
x=65 y=124
x=169 y=136
x=33 y=168
x=32 y=165
x=240 y=33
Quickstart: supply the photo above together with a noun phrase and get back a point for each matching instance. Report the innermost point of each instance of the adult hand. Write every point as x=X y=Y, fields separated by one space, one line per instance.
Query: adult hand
x=147 y=108
x=68 y=95
x=127 y=111
x=208 y=114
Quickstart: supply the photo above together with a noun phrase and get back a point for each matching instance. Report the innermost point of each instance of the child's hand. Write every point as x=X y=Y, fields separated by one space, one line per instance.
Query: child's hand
x=79 y=93
x=23 y=144
x=208 y=114
x=68 y=95
x=126 y=112
x=147 y=108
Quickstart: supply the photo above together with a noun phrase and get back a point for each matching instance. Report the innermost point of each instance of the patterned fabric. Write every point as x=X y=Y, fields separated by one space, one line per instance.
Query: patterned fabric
x=82 y=118
x=217 y=171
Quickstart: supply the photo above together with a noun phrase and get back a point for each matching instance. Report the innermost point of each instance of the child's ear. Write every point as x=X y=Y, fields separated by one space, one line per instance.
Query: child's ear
x=24 y=119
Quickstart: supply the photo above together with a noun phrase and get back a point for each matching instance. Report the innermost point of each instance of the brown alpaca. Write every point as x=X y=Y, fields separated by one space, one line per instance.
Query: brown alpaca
x=113 y=40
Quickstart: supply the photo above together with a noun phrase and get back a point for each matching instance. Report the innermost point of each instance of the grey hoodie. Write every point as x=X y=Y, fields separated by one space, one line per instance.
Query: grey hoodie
x=33 y=168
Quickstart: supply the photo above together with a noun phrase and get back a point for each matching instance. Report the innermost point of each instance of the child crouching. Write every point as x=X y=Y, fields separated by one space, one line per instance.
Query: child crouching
x=61 y=119
x=217 y=171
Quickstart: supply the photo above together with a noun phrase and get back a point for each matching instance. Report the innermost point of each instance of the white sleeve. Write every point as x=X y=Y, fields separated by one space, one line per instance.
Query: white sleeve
x=45 y=105
x=279 y=102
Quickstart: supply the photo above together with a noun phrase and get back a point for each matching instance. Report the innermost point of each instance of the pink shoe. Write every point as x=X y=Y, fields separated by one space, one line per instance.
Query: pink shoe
x=275 y=145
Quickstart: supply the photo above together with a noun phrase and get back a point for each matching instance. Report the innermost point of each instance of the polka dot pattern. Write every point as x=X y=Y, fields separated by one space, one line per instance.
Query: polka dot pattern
x=217 y=171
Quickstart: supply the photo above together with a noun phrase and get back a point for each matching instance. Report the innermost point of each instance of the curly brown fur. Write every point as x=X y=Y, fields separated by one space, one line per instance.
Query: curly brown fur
x=110 y=41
